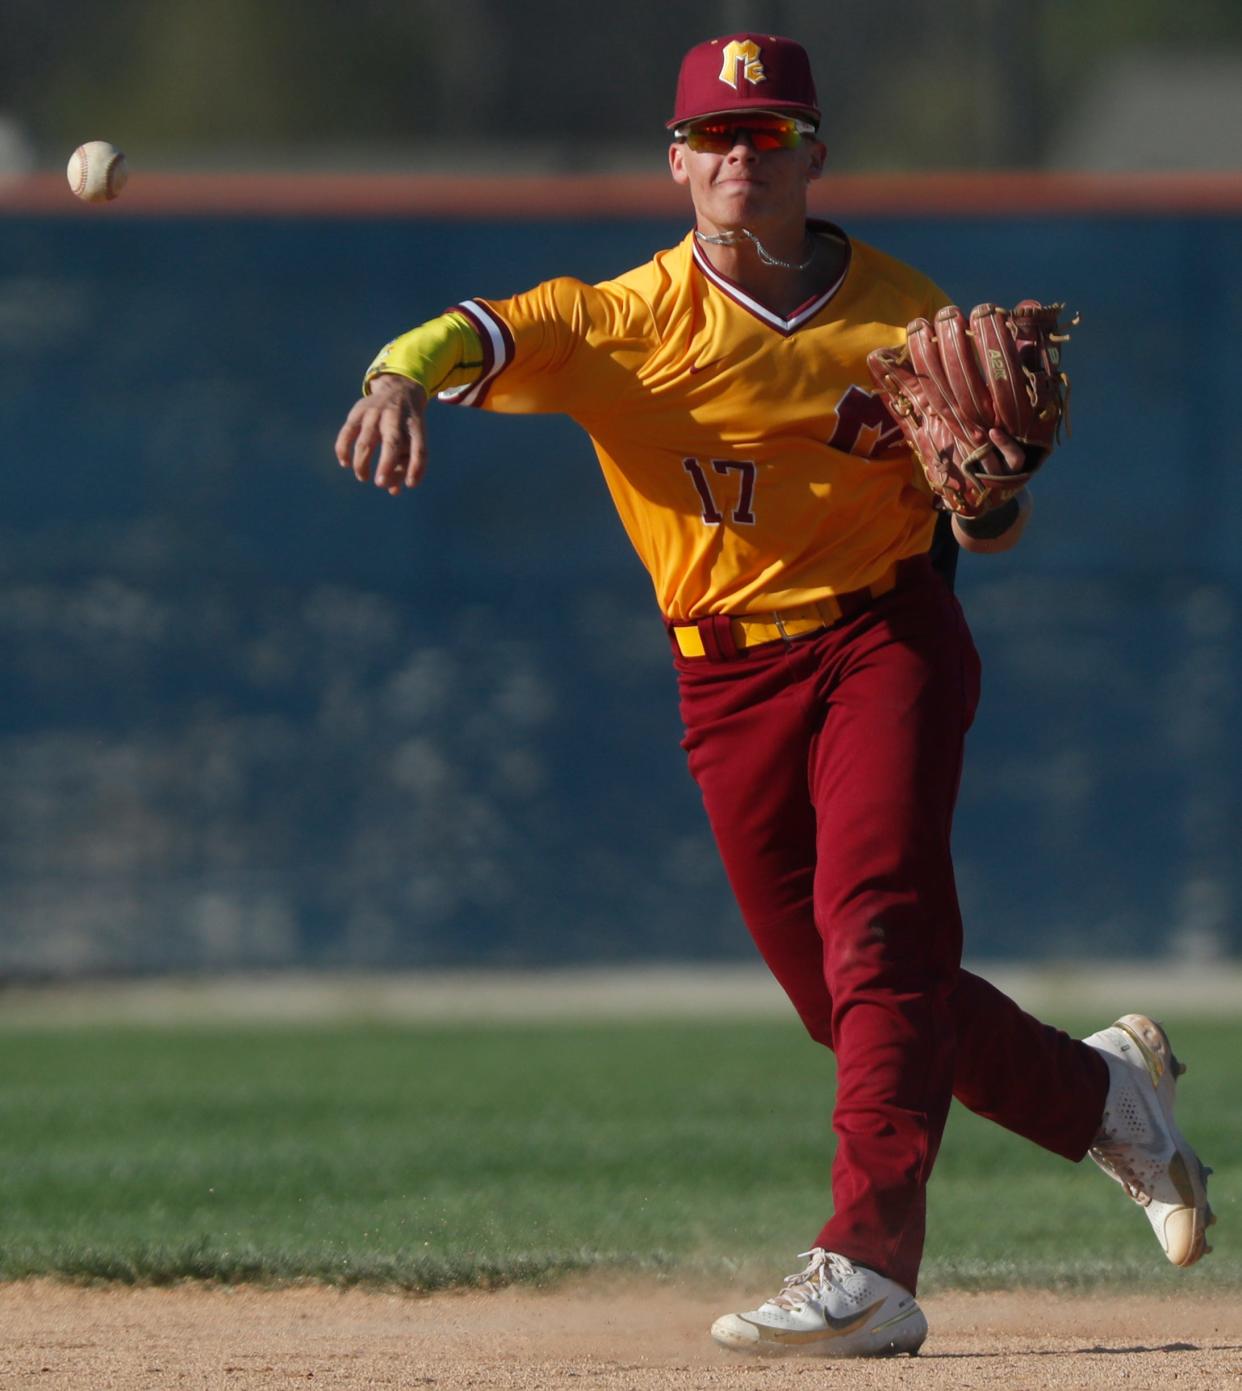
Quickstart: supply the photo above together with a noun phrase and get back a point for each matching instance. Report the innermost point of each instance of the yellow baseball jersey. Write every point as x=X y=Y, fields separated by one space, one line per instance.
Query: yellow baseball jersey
x=752 y=465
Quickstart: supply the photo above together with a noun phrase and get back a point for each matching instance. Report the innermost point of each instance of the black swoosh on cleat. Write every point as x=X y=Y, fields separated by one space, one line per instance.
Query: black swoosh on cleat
x=833 y=1328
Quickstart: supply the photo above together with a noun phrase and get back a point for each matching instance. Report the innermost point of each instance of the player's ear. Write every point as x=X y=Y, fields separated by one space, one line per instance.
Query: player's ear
x=819 y=154
x=677 y=163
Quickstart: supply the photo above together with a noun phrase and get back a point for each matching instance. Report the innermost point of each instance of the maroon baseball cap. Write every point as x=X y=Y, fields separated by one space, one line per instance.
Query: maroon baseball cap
x=745 y=72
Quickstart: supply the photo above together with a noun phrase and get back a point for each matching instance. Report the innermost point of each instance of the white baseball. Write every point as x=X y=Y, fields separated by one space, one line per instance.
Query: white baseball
x=97 y=171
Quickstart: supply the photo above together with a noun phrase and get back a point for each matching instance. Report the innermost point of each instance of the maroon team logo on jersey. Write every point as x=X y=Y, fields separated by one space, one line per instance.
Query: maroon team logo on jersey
x=864 y=425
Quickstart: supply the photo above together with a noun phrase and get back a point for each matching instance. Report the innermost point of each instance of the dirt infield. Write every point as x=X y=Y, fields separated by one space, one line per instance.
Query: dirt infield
x=618 y=1337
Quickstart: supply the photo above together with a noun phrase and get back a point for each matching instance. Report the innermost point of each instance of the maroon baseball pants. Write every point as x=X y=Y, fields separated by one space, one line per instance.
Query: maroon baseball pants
x=829 y=768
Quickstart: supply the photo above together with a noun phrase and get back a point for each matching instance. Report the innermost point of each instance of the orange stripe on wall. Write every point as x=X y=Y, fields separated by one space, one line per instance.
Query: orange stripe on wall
x=505 y=198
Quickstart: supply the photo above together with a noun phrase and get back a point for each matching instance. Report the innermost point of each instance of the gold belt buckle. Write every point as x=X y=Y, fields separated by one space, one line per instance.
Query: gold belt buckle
x=808 y=619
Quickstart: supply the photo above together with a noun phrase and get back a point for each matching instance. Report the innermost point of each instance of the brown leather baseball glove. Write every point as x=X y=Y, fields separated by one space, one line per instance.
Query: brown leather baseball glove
x=953 y=382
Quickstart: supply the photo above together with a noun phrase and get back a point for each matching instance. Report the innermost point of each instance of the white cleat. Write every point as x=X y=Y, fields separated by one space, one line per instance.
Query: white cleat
x=833 y=1308
x=1139 y=1143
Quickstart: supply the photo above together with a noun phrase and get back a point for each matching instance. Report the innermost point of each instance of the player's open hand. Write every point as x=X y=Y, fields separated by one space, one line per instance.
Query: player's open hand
x=391 y=417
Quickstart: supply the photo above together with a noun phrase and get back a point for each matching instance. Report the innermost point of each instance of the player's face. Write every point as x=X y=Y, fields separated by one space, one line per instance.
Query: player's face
x=736 y=182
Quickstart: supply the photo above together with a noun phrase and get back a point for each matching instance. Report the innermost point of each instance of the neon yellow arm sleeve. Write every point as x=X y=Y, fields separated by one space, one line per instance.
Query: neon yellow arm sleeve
x=439 y=354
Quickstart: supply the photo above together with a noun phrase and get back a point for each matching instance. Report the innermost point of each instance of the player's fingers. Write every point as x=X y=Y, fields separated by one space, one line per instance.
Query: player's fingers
x=347 y=434
x=417 y=465
x=364 y=445
x=394 y=450
x=1010 y=450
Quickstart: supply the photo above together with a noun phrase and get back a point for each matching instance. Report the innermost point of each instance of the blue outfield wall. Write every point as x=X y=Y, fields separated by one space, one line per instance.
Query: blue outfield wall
x=254 y=714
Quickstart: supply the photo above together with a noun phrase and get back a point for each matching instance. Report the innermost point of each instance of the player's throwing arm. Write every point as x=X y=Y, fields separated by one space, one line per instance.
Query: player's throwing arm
x=442 y=354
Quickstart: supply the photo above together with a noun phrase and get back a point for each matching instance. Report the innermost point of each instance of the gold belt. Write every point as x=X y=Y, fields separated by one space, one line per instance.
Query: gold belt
x=782 y=624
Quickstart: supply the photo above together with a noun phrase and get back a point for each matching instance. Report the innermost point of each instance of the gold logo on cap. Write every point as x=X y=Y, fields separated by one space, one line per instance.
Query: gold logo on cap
x=747 y=55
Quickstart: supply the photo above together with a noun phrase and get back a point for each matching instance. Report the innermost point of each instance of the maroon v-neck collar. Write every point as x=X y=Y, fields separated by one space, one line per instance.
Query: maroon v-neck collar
x=804 y=312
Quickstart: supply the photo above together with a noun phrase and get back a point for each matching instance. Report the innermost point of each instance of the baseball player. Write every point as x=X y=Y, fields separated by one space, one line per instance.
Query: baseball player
x=827 y=677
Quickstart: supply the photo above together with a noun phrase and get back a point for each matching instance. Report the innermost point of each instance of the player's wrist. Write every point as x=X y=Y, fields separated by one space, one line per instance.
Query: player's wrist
x=392 y=379
x=996 y=530
x=992 y=524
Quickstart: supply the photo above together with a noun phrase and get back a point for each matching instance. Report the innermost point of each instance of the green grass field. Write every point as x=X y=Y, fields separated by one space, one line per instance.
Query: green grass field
x=479 y=1156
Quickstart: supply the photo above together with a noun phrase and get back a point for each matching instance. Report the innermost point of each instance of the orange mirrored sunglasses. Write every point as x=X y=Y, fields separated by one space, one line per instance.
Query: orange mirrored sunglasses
x=717 y=135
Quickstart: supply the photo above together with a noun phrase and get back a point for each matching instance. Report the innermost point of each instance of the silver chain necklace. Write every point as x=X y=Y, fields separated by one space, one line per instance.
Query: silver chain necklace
x=736 y=238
